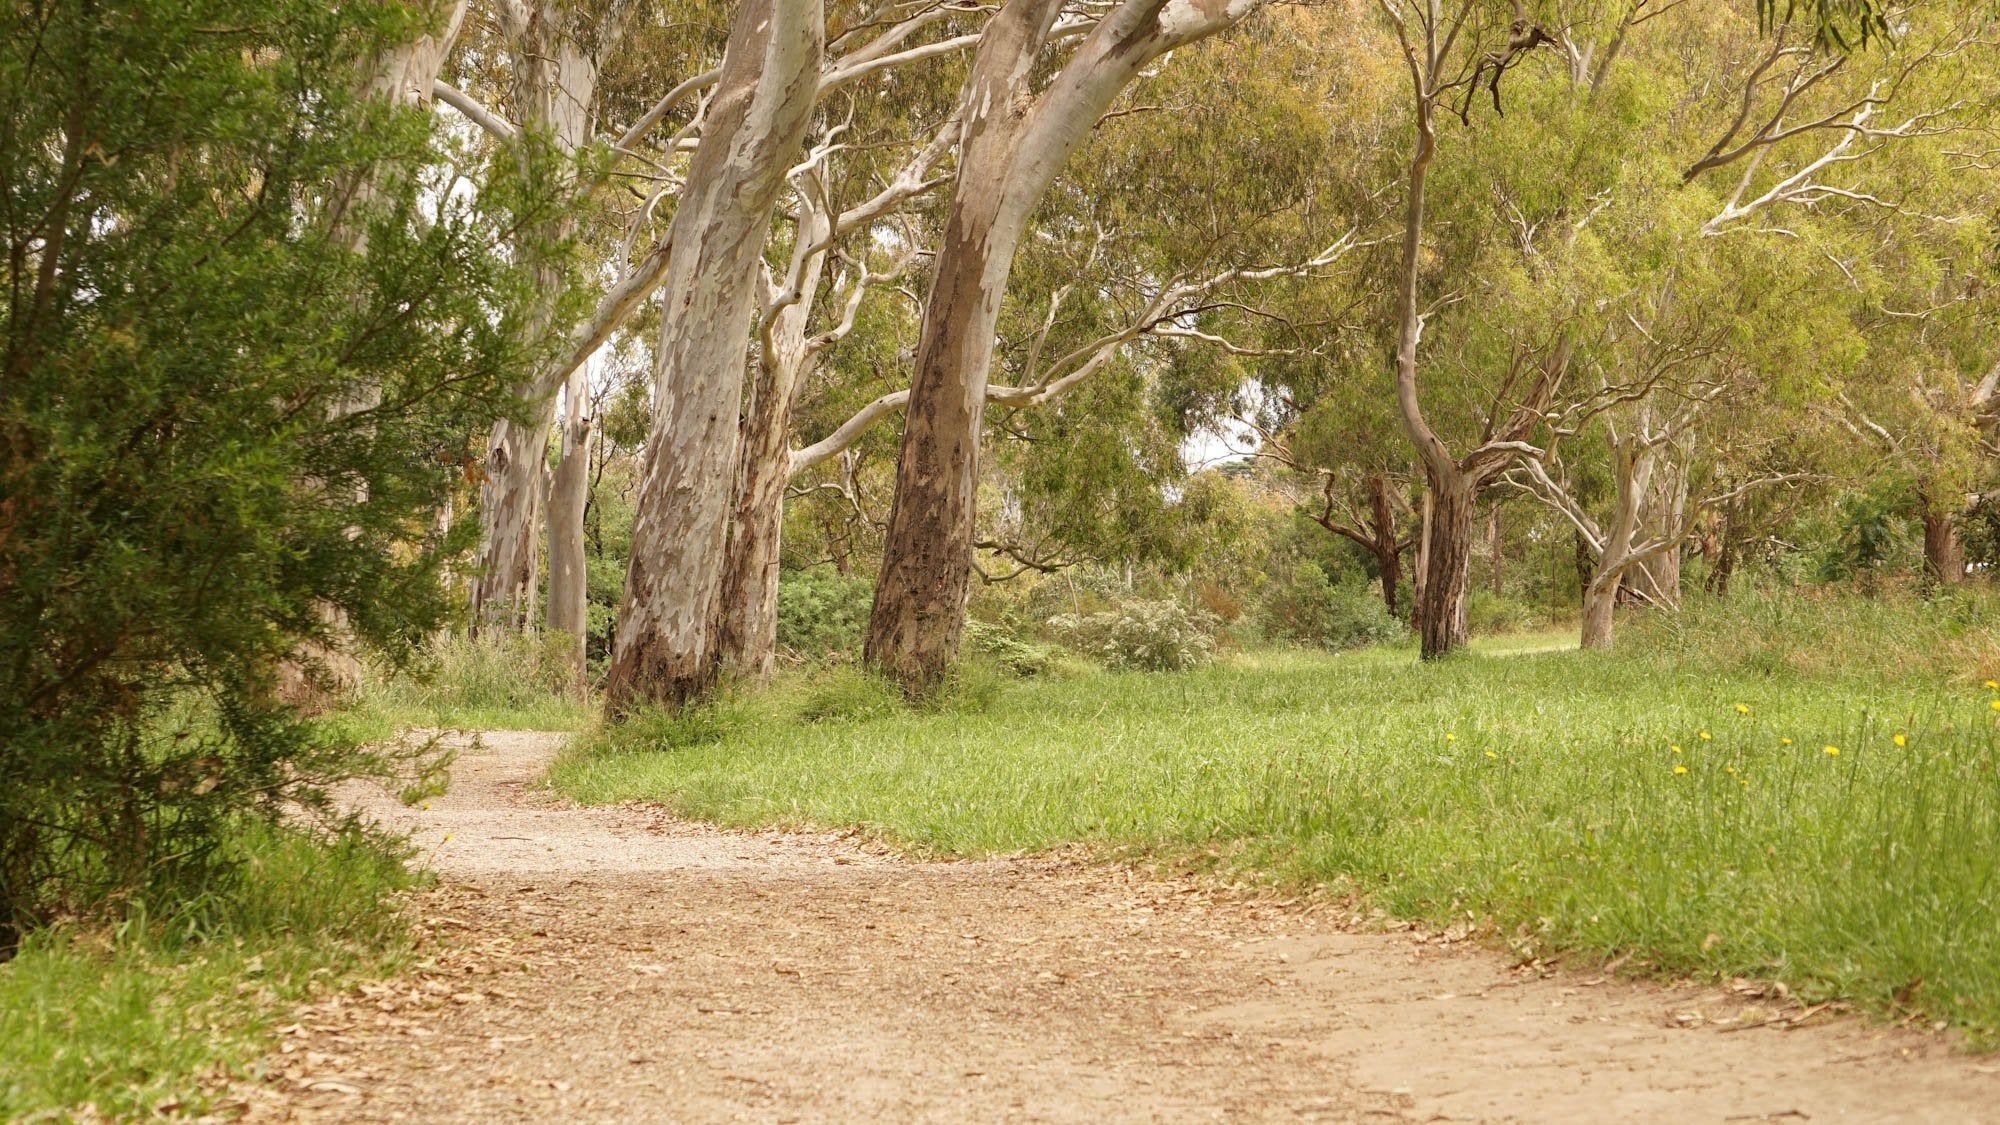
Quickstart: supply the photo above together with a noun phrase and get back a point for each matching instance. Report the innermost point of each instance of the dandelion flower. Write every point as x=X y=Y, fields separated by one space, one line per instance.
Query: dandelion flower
x=1784 y=742
x=1677 y=749
x=1744 y=784
x=1449 y=737
x=1743 y=708
x=1731 y=769
x=1995 y=705
x=1680 y=769
x=1993 y=685
x=1491 y=754
x=1832 y=751
x=1704 y=736
x=1901 y=740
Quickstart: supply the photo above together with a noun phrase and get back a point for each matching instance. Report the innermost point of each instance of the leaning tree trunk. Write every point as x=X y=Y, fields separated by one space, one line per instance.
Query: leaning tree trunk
x=569 y=492
x=1013 y=142
x=664 y=650
x=554 y=86
x=1440 y=615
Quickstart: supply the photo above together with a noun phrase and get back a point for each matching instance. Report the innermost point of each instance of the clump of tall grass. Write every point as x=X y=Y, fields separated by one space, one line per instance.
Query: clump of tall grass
x=146 y=1012
x=518 y=681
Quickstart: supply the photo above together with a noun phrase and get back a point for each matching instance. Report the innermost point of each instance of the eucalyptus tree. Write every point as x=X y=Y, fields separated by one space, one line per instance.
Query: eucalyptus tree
x=1014 y=139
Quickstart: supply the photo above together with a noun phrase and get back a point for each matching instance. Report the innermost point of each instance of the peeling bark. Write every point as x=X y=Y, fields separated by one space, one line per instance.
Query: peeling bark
x=569 y=491
x=665 y=646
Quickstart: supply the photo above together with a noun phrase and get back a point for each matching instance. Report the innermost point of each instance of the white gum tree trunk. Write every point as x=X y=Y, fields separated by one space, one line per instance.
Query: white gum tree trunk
x=665 y=648
x=569 y=492
x=554 y=87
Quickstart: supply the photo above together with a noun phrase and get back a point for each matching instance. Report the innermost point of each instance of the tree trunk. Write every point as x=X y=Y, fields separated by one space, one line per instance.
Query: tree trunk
x=1662 y=512
x=1496 y=551
x=1440 y=614
x=665 y=650
x=1388 y=552
x=747 y=625
x=569 y=494
x=1599 y=601
x=554 y=86
x=1944 y=554
x=1012 y=144
x=510 y=511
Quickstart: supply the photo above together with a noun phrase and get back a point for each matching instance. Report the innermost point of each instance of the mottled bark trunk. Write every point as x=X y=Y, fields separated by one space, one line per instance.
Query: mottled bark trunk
x=1599 y=602
x=1440 y=623
x=569 y=495
x=554 y=86
x=1013 y=142
x=1388 y=552
x=508 y=577
x=1662 y=513
x=665 y=646
x=747 y=616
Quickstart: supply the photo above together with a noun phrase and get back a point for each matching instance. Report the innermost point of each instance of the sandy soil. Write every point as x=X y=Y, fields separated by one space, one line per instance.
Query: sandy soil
x=621 y=965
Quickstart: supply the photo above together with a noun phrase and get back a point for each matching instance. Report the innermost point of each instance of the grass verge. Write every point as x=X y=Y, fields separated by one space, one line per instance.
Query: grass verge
x=1832 y=826
x=155 y=1017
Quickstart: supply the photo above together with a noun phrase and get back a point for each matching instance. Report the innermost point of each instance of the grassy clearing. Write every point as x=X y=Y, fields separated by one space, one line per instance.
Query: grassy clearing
x=1538 y=793
x=150 y=1016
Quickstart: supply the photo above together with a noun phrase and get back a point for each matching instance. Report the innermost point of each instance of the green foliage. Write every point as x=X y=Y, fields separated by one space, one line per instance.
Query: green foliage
x=1537 y=791
x=223 y=425
x=1307 y=609
x=821 y=611
x=144 y=1014
x=849 y=693
x=1140 y=635
x=1011 y=653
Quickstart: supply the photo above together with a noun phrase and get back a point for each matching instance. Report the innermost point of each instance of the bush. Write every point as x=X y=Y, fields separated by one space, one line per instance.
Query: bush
x=1140 y=635
x=1307 y=609
x=192 y=497
x=1487 y=613
x=821 y=611
x=1013 y=655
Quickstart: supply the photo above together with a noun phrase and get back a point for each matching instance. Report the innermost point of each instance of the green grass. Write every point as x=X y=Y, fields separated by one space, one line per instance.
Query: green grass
x=157 y=1014
x=520 y=683
x=1532 y=789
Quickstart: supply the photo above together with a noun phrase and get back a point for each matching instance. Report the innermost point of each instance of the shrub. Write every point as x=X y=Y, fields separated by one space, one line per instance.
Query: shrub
x=1010 y=653
x=1487 y=613
x=1305 y=608
x=821 y=611
x=1140 y=635
x=192 y=497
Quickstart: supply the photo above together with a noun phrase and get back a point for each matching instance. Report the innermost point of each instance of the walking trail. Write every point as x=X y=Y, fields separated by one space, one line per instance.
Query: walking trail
x=618 y=964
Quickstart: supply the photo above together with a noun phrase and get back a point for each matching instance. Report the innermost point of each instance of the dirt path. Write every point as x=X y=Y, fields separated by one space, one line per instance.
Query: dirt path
x=620 y=965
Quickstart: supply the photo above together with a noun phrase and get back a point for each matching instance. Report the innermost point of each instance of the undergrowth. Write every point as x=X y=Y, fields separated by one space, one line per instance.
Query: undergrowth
x=154 y=1014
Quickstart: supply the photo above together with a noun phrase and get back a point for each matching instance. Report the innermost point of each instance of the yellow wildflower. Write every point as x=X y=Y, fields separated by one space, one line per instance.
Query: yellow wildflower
x=1995 y=705
x=1743 y=708
x=1833 y=751
x=1680 y=769
x=1704 y=736
x=1677 y=749
x=1900 y=740
x=1449 y=737
x=1491 y=754
x=1784 y=742
x=1731 y=769
x=1993 y=685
